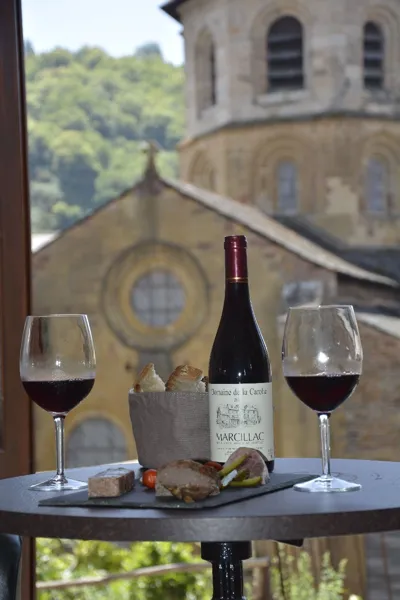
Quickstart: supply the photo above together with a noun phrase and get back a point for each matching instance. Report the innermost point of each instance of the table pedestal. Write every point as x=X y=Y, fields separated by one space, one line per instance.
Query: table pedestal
x=227 y=567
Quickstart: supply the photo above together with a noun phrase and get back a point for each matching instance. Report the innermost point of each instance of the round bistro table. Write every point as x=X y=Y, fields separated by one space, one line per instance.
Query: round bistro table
x=224 y=532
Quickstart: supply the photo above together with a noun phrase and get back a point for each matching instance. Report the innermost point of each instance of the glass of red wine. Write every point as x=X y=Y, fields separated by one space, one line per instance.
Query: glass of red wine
x=322 y=363
x=57 y=369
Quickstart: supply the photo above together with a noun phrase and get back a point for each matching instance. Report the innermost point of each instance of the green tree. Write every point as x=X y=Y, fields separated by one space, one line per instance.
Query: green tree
x=293 y=579
x=28 y=48
x=88 y=114
x=149 y=49
x=77 y=164
x=66 y=560
x=59 y=57
x=90 y=57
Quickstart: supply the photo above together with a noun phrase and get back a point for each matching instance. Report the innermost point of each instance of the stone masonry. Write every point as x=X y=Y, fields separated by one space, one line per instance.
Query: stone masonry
x=330 y=129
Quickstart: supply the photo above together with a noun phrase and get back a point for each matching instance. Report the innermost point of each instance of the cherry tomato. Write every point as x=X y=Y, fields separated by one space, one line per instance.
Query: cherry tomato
x=149 y=478
x=214 y=465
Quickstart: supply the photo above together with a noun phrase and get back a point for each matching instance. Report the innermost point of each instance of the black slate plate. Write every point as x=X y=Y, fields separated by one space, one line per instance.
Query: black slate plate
x=140 y=497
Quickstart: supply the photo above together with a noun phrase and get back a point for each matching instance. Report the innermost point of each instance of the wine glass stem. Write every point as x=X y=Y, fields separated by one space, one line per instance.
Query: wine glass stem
x=59 y=424
x=325 y=445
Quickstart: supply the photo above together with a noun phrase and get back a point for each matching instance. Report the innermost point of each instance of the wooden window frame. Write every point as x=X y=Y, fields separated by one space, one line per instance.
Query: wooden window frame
x=16 y=456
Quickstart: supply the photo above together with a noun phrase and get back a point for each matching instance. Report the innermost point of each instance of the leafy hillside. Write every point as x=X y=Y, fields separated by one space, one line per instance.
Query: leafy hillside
x=88 y=115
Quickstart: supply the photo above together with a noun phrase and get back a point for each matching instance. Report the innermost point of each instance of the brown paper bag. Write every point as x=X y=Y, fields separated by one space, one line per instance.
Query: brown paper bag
x=170 y=426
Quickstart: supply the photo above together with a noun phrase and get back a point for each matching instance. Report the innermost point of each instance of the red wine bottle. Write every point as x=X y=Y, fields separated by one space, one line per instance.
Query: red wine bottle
x=240 y=380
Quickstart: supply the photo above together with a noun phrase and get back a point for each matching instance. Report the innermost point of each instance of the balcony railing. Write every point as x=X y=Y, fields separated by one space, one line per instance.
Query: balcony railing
x=157 y=570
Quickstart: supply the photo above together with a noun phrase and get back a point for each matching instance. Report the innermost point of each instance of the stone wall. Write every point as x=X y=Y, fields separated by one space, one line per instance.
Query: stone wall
x=366 y=425
x=333 y=59
x=330 y=130
x=331 y=156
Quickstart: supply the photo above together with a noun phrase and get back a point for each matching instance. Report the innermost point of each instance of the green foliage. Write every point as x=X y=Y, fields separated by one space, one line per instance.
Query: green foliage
x=28 y=48
x=297 y=580
x=149 y=49
x=63 y=560
x=88 y=115
x=67 y=560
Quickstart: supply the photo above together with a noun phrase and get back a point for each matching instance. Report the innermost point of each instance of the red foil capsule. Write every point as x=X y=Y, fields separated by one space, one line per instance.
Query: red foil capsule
x=236 y=258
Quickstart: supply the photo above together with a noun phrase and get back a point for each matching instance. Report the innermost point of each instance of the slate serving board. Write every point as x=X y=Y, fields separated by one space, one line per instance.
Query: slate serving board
x=141 y=497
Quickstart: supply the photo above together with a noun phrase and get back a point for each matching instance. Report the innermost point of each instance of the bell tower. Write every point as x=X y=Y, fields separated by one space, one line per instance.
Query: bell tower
x=294 y=106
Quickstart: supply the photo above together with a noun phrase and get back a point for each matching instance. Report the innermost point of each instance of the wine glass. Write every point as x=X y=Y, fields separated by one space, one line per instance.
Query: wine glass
x=322 y=363
x=57 y=369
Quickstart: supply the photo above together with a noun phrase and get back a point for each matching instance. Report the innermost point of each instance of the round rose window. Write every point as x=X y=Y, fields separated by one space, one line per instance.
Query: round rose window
x=158 y=298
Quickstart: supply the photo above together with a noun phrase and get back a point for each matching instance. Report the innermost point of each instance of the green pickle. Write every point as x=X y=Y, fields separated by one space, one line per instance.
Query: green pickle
x=246 y=483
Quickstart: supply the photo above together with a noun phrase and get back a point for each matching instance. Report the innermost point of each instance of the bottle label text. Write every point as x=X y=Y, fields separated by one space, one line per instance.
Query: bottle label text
x=241 y=415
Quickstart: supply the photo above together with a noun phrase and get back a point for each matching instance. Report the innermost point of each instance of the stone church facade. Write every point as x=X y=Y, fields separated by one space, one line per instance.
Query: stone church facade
x=293 y=106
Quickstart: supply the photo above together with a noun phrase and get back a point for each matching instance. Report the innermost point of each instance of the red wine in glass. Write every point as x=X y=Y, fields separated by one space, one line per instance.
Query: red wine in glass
x=323 y=393
x=322 y=362
x=57 y=369
x=58 y=396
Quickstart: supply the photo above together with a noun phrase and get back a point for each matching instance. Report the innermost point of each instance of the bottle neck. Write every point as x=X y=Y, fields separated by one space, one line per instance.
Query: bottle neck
x=236 y=265
x=237 y=294
x=236 y=278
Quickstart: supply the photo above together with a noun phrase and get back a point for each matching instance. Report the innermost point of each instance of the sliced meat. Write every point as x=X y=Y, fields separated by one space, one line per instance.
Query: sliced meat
x=187 y=480
x=254 y=465
x=162 y=492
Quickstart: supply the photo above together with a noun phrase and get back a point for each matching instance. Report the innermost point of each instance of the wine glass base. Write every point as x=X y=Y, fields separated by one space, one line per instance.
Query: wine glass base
x=327 y=485
x=52 y=485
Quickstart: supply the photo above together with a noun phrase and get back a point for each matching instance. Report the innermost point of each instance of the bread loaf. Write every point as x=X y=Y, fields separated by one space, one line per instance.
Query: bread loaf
x=149 y=381
x=186 y=379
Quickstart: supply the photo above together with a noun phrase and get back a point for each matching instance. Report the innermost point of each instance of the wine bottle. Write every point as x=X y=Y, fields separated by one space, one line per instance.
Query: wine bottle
x=240 y=380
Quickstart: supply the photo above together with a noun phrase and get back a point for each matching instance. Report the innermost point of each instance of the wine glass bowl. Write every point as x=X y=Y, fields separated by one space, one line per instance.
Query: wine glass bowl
x=57 y=369
x=322 y=362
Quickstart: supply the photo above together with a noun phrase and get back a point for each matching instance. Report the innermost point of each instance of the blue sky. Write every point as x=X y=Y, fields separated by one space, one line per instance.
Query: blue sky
x=118 y=26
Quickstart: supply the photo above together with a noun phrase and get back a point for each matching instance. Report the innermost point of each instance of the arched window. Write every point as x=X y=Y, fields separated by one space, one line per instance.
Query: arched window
x=287 y=187
x=206 y=71
x=285 y=55
x=377 y=186
x=95 y=441
x=373 y=56
x=213 y=75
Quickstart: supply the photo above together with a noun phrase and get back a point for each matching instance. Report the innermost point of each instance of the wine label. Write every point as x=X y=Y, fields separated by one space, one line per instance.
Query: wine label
x=241 y=415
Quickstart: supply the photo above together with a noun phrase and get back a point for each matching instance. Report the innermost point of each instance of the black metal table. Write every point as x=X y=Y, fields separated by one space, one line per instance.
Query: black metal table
x=225 y=531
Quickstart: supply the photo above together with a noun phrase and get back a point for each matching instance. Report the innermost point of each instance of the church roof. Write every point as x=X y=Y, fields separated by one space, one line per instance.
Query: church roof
x=171 y=8
x=386 y=323
x=270 y=228
x=311 y=244
x=382 y=260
